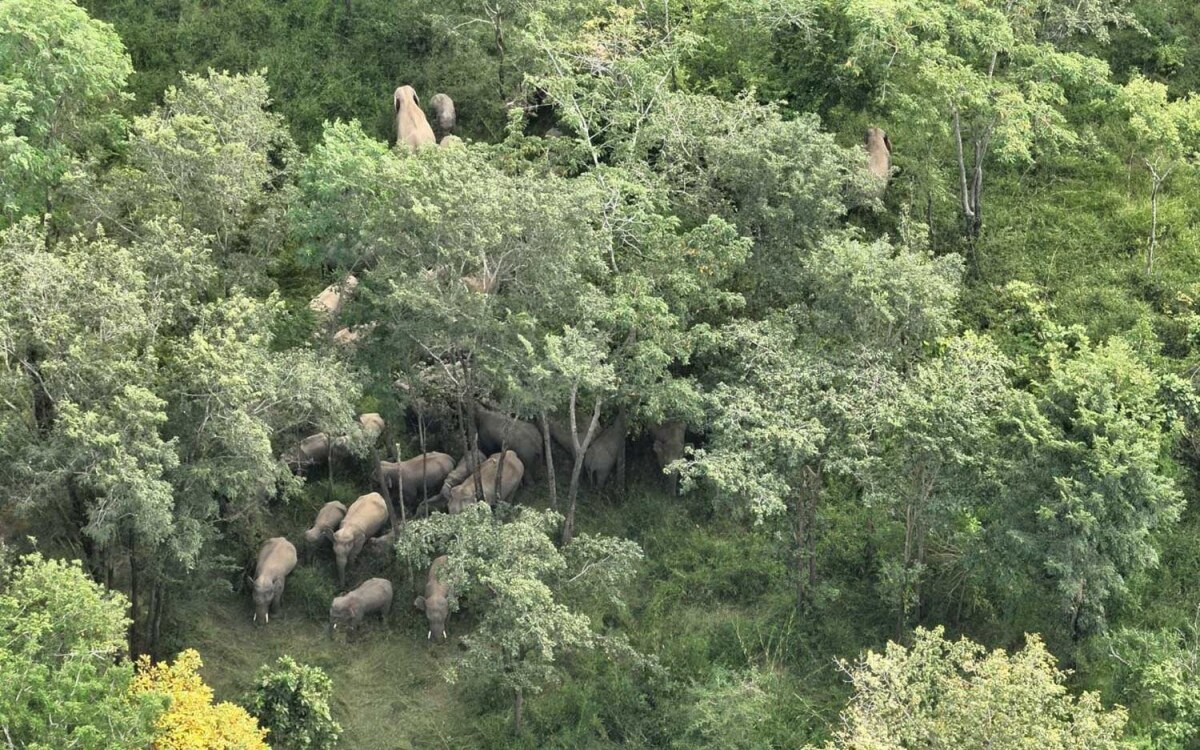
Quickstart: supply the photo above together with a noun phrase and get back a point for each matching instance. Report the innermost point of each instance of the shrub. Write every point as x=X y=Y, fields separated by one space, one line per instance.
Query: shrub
x=292 y=701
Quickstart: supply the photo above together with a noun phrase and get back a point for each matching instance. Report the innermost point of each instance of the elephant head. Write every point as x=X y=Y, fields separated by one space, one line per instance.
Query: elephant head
x=264 y=592
x=437 y=611
x=343 y=609
x=347 y=543
x=879 y=152
x=442 y=108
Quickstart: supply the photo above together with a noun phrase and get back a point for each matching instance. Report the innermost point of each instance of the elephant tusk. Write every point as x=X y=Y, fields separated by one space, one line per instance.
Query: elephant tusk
x=254 y=617
x=430 y=636
x=267 y=617
x=445 y=635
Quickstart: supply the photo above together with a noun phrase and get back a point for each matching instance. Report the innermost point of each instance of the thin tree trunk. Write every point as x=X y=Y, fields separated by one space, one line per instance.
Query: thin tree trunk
x=518 y=710
x=549 y=460
x=579 y=450
x=387 y=491
x=424 y=458
x=621 y=419
x=135 y=603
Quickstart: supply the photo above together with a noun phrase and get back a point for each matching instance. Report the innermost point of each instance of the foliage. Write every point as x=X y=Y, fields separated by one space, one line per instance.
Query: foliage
x=192 y=721
x=62 y=74
x=964 y=696
x=291 y=701
x=64 y=678
x=522 y=589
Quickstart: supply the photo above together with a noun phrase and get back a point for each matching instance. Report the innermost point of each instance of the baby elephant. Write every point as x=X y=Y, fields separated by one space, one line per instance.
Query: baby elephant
x=328 y=519
x=276 y=559
x=374 y=595
x=436 y=602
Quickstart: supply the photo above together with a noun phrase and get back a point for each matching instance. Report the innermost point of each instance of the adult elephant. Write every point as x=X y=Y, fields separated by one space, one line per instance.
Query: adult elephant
x=499 y=432
x=366 y=518
x=484 y=479
x=428 y=470
x=276 y=559
x=442 y=107
x=412 y=128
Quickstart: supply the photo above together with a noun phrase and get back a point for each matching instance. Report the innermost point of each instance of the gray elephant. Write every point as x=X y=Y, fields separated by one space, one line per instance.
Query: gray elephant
x=601 y=455
x=372 y=596
x=668 y=447
x=412 y=129
x=442 y=107
x=333 y=298
x=879 y=153
x=499 y=431
x=463 y=495
x=329 y=517
x=366 y=517
x=466 y=466
x=313 y=451
x=432 y=467
x=436 y=602
x=276 y=559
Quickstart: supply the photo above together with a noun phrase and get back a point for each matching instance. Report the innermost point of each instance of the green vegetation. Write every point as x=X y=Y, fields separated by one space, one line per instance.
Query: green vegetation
x=932 y=404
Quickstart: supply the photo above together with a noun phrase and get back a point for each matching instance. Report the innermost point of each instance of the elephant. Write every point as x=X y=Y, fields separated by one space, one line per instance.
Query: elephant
x=367 y=515
x=334 y=297
x=434 y=467
x=442 y=107
x=463 y=495
x=313 y=451
x=411 y=126
x=601 y=455
x=371 y=596
x=436 y=602
x=481 y=283
x=668 y=448
x=372 y=425
x=879 y=153
x=276 y=559
x=466 y=466
x=451 y=141
x=329 y=517
x=499 y=432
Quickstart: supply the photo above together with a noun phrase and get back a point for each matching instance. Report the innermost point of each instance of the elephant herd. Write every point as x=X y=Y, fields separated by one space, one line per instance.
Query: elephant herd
x=508 y=454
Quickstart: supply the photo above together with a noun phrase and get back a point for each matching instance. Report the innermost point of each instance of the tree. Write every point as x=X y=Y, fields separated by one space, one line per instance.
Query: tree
x=956 y=694
x=941 y=452
x=991 y=79
x=62 y=77
x=291 y=701
x=1094 y=489
x=1163 y=135
x=64 y=680
x=527 y=596
x=192 y=720
x=795 y=398
x=215 y=158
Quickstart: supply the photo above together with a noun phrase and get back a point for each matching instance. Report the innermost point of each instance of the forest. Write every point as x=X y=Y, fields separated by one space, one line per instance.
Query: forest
x=813 y=374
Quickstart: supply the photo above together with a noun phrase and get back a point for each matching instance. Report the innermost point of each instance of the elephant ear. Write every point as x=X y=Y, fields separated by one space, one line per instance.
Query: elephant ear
x=416 y=99
x=327 y=533
x=250 y=580
x=419 y=603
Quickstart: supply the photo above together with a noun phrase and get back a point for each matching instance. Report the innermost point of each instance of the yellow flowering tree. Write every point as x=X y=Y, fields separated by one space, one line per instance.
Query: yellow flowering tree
x=193 y=721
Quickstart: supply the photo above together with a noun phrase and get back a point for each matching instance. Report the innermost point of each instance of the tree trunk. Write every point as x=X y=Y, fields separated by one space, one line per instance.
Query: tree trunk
x=387 y=491
x=424 y=458
x=1156 y=183
x=579 y=450
x=621 y=418
x=518 y=710
x=549 y=460
x=43 y=404
x=135 y=604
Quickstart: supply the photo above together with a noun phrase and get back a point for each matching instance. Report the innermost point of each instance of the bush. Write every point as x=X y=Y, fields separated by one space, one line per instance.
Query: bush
x=310 y=591
x=292 y=701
